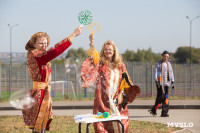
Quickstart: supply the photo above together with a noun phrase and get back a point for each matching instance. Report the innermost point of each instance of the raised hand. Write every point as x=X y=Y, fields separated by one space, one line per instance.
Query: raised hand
x=78 y=30
x=91 y=37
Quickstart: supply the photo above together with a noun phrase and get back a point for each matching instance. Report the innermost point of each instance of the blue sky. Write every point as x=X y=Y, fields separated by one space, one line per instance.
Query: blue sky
x=131 y=24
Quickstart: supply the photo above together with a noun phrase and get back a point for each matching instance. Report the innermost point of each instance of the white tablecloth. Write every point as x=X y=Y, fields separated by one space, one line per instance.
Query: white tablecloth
x=90 y=118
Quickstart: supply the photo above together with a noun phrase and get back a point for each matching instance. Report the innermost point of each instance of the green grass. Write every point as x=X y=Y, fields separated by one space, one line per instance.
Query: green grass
x=66 y=124
x=70 y=96
x=4 y=96
x=90 y=96
x=58 y=96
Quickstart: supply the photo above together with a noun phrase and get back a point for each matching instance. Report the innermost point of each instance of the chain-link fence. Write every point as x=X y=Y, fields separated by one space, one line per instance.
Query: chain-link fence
x=187 y=79
x=66 y=83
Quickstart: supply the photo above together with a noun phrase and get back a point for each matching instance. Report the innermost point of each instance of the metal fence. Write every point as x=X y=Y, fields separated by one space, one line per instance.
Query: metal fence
x=67 y=85
x=187 y=79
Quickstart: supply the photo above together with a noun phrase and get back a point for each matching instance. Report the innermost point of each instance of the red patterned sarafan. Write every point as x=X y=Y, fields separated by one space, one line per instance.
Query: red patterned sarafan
x=30 y=115
x=39 y=68
x=107 y=89
x=33 y=67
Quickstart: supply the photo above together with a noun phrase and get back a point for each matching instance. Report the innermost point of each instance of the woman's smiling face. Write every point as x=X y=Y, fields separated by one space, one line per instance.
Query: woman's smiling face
x=108 y=51
x=41 y=43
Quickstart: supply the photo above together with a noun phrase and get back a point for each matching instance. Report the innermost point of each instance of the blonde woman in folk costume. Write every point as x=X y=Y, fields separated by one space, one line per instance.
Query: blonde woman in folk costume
x=111 y=85
x=39 y=117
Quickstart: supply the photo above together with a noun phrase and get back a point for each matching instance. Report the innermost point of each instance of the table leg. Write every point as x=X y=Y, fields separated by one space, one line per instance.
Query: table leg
x=122 y=126
x=79 y=127
x=88 y=124
x=87 y=128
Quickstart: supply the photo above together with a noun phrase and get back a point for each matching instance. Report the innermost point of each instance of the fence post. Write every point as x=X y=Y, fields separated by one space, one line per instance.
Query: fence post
x=68 y=85
x=0 y=79
x=55 y=80
x=189 y=82
x=190 y=76
x=184 y=81
x=76 y=89
x=146 y=79
x=172 y=90
x=17 y=78
x=26 y=81
x=22 y=79
x=5 y=78
x=63 y=90
x=133 y=66
x=175 y=78
x=151 y=80
x=85 y=92
x=79 y=86
x=193 y=78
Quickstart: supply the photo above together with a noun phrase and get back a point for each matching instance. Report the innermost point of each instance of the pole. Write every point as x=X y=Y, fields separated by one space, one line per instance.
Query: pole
x=190 y=42
x=190 y=55
x=151 y=80
x=0 y=79
x=146 y=79
x=85 y=92
x=185 y=81
x=10 y=65
x=191 y=47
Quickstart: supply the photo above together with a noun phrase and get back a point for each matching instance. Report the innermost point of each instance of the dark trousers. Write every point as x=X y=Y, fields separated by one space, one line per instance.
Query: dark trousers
x=162 y=98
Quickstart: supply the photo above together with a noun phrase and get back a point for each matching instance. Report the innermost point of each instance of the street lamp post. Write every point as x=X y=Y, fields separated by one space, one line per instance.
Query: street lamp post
x=191 y=50
x=10 y=65
x=191 y=35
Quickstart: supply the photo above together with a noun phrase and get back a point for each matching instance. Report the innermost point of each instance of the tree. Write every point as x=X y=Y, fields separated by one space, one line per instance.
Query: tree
x=81 y=53
x=196 y=55
x=128 y=55
x=77 y=53
x=182 y=55
x=141 y=56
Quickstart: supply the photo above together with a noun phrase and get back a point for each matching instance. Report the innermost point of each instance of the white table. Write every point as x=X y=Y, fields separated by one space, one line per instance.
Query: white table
x=90 y=118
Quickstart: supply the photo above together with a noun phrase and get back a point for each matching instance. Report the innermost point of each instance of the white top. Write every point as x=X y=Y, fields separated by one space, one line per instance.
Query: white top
x=161 y=69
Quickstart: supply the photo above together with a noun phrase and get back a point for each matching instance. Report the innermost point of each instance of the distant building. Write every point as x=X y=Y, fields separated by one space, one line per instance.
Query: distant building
x=18 y=57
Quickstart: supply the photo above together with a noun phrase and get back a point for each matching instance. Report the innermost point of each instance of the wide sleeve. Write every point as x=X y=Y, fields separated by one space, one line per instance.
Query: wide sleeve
x=89 y=72
x=124 y=70
x=44 y=57
x=155 y=74
x=130 y=89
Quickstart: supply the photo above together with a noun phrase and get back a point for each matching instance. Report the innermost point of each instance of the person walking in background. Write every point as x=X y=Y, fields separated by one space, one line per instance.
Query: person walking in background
x=39 y=116
x=164 y=78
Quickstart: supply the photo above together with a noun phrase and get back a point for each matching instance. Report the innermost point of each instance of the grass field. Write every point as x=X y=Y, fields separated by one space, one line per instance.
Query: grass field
x=66 y=124
x=90 y=96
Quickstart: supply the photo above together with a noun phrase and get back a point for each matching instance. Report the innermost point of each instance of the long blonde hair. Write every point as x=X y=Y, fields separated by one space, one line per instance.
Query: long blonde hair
x=116 y=59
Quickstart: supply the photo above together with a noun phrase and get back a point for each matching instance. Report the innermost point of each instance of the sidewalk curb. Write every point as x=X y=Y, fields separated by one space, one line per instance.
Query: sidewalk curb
x=129 y=107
